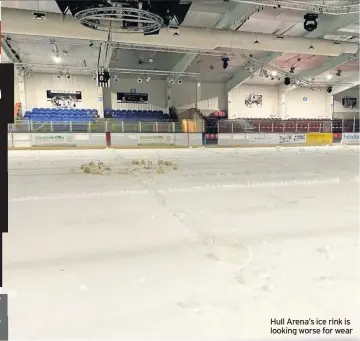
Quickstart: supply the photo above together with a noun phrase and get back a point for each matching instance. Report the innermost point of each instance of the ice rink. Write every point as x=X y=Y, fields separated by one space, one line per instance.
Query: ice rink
x=209 y=251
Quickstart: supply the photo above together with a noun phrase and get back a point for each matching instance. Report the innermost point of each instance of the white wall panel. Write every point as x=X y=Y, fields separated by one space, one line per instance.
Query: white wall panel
x=36 y=86
x=269 y=107
x=305 y=103
x=210 y=96
x=155 y=89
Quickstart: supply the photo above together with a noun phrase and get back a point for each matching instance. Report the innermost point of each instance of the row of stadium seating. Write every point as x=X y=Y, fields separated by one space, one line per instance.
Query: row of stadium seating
x=136 y=114
x=61 y=115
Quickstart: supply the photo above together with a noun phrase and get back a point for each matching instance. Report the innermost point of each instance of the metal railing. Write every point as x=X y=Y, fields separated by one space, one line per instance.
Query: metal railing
x=185 y=126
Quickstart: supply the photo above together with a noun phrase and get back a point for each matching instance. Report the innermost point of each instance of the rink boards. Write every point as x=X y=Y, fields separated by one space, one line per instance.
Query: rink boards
x=171 y=140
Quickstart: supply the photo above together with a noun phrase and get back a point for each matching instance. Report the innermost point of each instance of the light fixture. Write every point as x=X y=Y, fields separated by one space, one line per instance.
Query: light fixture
x=329 y=89
x=329 y=76
x=148 y=78
x=292 y=69
x=139 y=80
x=311 y=47
x=65 y=53
x=59 y=75
x=287 y=80
x=180 y=81
x=116 y=78
x=338 y=73
x=225 y=60
x=94 y=76
x=265 y=73
x=273 y=73
x=256 y=42
x=310 y=23
x=176 y=34
x=198 y=84
x=57 y=58
x=171 y=81
x=151 y=59
x=67 y=75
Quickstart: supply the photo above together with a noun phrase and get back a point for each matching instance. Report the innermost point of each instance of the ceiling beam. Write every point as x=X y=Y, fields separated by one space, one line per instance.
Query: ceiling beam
x=242 y=75
x=227 y=19
x=351 y=82
x=330 y=63
x=330 y=25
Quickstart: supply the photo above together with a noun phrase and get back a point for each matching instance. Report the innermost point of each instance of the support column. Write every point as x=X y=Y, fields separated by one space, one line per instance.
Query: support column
x=22 y=97
x=100 y=107
x=283 y=105
x=168 y=92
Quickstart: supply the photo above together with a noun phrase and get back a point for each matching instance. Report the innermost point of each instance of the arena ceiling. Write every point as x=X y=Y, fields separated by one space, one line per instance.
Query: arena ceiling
x=210 y=29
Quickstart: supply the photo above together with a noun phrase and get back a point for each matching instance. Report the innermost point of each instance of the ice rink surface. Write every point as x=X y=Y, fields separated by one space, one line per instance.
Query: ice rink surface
x=210 y=251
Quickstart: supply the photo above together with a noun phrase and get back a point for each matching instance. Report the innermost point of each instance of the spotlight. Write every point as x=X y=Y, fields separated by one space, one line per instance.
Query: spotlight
x=67 y=75
x=256 y=42
x=172 y=81
x=338 y=73
x=91 y=44
x=176 y=34
x=180 y=81
x=329 y=76
x=287 y=81
x=39 y=15
x=329 y=89
x=57 y=58
x=312 y=89
x=139 y=80
x=94 y=76
x=59 y=75
x=116 y=78
x=151 y=60
x=265 y=73
x=310 y=23
x=292 y=69
x=198 y=84
x=311 y=47
x=148 y=78
x=225 y=59
x=273 y=73
x=211 y=67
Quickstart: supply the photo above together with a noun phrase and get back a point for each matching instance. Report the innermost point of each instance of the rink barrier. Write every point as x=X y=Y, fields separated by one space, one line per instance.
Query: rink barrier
x=165 y=140
x=261 y=139
x=102 y=140
x=350 y=138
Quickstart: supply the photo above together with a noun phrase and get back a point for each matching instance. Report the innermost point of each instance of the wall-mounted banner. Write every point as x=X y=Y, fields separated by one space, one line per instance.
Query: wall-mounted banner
x=314 y=139
x=253 y=100
x=258 y=138
x=292 y=138
x=128 y=97
x=64 y=99
x=155 y=139
x=53 y=140
x=350 y=138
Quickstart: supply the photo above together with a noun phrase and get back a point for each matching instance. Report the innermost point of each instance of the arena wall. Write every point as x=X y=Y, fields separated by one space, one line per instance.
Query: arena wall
x=38 y=83
x=298 y=103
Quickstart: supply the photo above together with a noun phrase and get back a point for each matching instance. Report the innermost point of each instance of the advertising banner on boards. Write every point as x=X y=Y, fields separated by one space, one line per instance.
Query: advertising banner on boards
x=155 y=139
x=315 y=139
x=53 y=140
x=292 y=138
x=350 y=138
